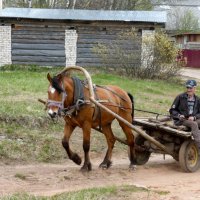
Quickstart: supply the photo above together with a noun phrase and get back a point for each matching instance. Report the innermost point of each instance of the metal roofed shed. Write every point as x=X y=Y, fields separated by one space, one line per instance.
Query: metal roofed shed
x=59 y=37
x=87 y=15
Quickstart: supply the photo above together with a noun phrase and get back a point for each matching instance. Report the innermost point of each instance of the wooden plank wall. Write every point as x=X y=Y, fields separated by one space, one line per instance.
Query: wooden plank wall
x=44 y=45
x=90 y=37
x=37 y=44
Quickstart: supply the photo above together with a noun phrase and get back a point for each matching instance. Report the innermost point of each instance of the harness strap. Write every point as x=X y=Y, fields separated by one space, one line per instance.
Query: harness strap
x=74 y=108
x=71 y=109
x=106 y=88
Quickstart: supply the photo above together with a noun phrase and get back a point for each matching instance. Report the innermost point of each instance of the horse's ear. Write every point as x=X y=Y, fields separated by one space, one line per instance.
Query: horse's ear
x=49 y=77
x=59 y=77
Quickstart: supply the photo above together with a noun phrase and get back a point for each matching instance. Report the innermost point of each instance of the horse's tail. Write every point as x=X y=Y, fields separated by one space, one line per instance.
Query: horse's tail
x=132 y=100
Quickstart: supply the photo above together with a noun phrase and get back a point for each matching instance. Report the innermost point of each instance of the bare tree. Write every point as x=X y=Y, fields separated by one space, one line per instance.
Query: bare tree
x=182 y=19
x=84 y=4
x=114 y=5
x=189 y=21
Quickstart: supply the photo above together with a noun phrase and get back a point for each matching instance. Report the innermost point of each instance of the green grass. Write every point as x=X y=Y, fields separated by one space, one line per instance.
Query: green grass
x=26 y=134
x=20 y=90
x=110 y=192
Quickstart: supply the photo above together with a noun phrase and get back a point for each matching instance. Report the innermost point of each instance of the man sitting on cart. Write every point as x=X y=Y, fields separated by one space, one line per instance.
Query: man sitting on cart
x=185 y=110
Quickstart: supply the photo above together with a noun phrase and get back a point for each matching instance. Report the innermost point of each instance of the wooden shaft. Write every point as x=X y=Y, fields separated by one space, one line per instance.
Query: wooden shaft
x=142 y=133
x=42 y=101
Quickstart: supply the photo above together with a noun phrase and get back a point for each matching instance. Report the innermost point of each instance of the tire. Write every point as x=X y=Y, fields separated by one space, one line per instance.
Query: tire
x=141 y=157
x=188 y=156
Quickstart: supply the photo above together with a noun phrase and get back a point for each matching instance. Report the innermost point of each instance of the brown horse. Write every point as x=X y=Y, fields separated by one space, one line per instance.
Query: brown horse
x=78 y=111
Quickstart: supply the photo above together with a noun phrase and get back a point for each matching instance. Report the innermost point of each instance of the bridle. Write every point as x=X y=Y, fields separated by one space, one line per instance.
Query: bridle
x=58 y=104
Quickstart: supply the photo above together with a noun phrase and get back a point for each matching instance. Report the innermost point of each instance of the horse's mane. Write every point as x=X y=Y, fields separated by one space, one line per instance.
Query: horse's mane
x=56 y=84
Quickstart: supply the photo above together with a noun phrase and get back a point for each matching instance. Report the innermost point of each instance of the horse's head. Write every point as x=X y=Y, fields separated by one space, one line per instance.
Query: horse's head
x=56 y=96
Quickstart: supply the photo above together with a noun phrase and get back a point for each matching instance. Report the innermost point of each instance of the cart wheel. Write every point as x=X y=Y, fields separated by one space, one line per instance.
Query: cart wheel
x=188 y=156
x=142 y=157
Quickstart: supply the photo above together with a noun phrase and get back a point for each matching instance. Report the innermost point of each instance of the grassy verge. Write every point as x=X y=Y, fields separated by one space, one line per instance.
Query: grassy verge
x=26 y=134
x=112 y=192
x=21 y=88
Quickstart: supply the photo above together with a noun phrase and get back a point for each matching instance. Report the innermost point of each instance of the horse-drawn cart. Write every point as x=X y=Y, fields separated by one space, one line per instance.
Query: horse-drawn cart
x=177 y=140
x=161 y=137
x=152 y=135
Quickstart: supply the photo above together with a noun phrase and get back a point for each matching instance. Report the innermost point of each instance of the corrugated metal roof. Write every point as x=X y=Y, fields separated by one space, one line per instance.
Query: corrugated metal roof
x=88 y=15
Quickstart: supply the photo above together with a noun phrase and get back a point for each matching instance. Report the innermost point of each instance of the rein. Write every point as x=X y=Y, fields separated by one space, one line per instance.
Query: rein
x=118 y=106
x=110 y=90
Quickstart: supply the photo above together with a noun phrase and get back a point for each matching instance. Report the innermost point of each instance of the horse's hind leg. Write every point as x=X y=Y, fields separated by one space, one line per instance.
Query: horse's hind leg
x=65 y=142
x=131 y=143
x=110 y=141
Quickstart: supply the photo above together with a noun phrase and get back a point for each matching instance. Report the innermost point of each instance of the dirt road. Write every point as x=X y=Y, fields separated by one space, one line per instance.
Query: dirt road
x=191 y=73
x=49 y=179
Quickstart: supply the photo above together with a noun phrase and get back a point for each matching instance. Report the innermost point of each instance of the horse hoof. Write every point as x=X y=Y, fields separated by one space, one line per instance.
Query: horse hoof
x=105 y=165
x=76 y=159
x=132 y=167
x=86 y=168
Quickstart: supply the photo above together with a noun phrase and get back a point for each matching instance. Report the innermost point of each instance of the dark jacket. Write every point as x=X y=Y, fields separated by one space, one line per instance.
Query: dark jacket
x=180 y=107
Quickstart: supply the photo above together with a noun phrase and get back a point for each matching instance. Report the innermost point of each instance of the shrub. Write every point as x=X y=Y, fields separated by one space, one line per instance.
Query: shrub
x=156 y=58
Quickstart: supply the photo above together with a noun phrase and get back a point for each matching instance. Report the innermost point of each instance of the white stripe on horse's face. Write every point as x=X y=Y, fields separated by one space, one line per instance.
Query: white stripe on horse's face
x=50 y=111
x=52 y=90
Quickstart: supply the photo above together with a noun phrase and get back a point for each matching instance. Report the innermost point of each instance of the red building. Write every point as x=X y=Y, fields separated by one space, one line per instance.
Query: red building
x=189 y=43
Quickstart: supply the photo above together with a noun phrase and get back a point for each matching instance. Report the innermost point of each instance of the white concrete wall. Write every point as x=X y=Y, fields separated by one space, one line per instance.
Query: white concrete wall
x=71 y=47
x=5 y=45
x=147 y=47
x=1 y=5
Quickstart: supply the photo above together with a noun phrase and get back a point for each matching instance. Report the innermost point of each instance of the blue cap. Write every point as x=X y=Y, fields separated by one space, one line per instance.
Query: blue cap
x=191 y=83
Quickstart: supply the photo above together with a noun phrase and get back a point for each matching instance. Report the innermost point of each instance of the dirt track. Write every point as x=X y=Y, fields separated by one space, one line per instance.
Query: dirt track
x=50 y=179
x=190 y=73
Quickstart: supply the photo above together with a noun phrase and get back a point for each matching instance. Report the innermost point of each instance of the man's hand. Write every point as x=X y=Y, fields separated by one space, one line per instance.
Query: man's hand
x=191 y=118
x=181 y=117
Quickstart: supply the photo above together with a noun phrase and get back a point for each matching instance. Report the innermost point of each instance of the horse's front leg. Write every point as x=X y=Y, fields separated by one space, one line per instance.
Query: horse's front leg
x=65 y=142
x=86 y=147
